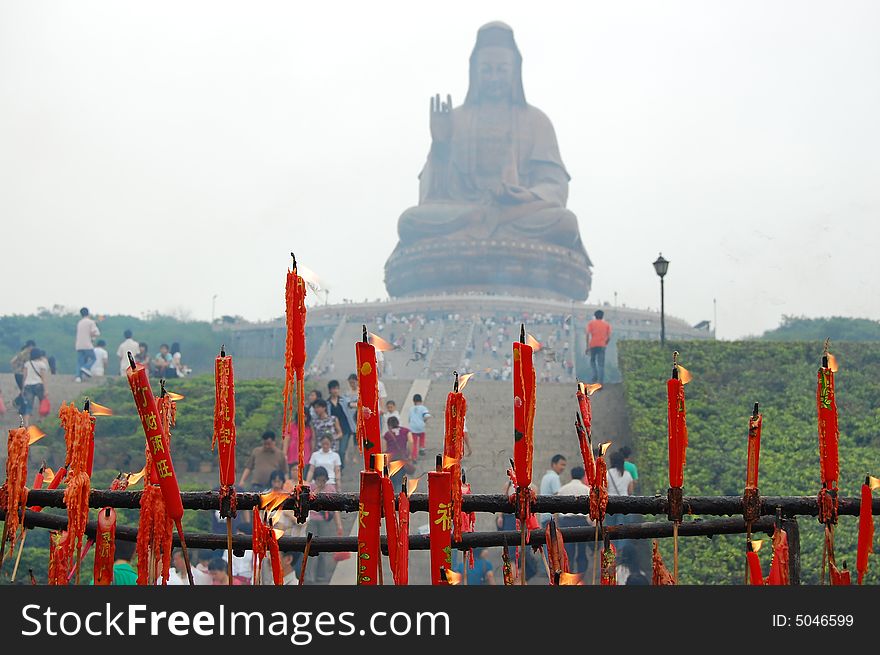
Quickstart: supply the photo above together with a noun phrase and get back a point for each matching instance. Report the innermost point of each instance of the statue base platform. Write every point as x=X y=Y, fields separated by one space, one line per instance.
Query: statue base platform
x=521 y=268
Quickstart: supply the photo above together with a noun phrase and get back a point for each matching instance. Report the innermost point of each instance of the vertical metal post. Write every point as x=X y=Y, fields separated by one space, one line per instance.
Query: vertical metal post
x=790 y=525
x=662 y=316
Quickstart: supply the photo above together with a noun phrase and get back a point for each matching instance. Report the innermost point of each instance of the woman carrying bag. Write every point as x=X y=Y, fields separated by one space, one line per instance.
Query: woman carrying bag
x=36 y=372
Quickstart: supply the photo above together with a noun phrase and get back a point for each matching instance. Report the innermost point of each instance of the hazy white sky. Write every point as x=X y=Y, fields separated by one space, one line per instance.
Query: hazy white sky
x=155 y=154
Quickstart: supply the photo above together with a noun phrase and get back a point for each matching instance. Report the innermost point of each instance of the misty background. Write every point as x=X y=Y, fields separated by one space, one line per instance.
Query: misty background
x=154 y=155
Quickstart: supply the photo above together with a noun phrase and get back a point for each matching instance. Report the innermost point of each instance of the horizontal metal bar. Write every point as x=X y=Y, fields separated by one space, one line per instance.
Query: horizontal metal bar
x=348 y=502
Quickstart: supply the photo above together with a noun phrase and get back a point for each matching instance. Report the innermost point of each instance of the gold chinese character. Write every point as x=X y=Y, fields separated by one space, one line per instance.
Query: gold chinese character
x=157 y=443
x=150 y=420
x=362 y=513
x=444 y=516
x=162 y=468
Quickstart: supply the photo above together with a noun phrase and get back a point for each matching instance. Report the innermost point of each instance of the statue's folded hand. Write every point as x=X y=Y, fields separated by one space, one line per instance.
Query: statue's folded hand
x=517 y=194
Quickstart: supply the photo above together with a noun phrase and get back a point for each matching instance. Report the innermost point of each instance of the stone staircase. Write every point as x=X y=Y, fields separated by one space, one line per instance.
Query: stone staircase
x=450 y=354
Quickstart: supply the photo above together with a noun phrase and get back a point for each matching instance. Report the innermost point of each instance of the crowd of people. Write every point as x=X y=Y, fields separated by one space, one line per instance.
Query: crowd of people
x=621 y=479
x=92 y=358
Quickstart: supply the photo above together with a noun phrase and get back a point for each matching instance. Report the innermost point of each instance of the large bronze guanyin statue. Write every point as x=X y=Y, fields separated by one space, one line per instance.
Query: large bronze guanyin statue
x=491 y=215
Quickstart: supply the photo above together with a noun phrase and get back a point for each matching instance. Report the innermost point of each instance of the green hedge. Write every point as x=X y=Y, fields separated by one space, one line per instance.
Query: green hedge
x=728 y=377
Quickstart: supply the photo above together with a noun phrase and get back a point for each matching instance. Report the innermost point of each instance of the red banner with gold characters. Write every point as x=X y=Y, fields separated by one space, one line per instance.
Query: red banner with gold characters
x=156 y=440
x=609 y=566
x=523 y=412
x=224 y=417
x=678 y=437
x=105 y=546
x=368 y=430
x=369 y=519
x=826 y=404
x=453 y=451
x=440 y=524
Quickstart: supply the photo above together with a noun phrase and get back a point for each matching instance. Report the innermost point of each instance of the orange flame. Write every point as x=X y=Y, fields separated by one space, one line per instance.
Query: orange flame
x=756 y=545
x=534 y=343
x=174 y=396
x=449 y=462
x=832 y=363
x=99 y=410
x=463 y=380
x=34 y=434
x=134 y=478
x=453 y=577
x=411 y=486
x=278 y=532
x=309 y=277
x=683 y=374
x=604 y=447
x=379 y=343
x=273 y=499
x=590 y=389
x=571 y=579
x=873 y=482
x=395 y=466
x=48 y=475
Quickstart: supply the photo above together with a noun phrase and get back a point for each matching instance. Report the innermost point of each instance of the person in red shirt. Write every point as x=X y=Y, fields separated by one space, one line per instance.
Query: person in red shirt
x=598 y=336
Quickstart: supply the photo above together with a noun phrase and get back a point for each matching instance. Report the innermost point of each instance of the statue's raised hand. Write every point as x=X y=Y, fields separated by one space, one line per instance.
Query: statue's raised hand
x=441 y=119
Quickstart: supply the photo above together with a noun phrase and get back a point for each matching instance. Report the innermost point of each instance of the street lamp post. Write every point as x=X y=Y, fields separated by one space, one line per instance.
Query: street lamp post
x=660 y=267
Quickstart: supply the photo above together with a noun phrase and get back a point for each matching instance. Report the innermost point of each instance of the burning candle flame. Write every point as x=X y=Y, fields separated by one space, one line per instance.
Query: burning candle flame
x=134 y=478
x=534 y=343
x=453 y=577
x=309 y=277
x=278 y=532
x=603 y=448
x=449 y=462
x=271 y=500
x=34 y=434
x=48 y=475
x=395 y=466
x=99 y=410
x=411 y=486
x=379 y=343
x=589 y=389
x=873 y=482
x=174 y=396
x=463 y=380
x=832 y=363
x=571 y=579
x=756 y=545
x=683 y=374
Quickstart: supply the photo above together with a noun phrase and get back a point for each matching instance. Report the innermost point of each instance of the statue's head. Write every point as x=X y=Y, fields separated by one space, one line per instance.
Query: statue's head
x=495 y=66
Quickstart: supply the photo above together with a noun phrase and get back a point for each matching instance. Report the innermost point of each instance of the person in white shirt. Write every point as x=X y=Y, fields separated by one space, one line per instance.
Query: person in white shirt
x=577 y=552
x=620 y=483
x=86 y=331
x=551 y=483
x=327 y=458
x=129 y=345
x=101 y=358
